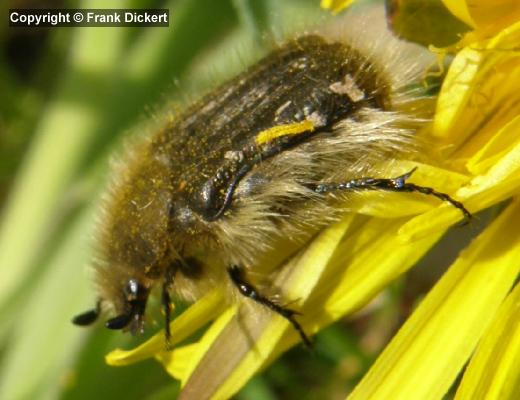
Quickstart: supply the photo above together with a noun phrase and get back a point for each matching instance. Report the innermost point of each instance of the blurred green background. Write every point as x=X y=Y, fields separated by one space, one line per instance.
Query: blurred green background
x=68 y=96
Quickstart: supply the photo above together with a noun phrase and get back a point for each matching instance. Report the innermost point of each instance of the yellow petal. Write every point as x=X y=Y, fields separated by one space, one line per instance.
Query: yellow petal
x=486 y=16
x=500 y=182
x=367 y=262
x=181 y=362
x=492 y=16
x=459 y=8
x=369 y=258
x=499 y=145
x=480 y=93
x=335 y=5
x=428 y=352
x=455 y=94
x=494 y=371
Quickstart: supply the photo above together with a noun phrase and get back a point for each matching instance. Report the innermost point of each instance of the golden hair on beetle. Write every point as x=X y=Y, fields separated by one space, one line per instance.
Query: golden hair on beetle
x=228 y=188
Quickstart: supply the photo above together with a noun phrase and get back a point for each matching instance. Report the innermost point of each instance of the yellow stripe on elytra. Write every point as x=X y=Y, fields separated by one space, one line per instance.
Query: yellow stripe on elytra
x=284 y=130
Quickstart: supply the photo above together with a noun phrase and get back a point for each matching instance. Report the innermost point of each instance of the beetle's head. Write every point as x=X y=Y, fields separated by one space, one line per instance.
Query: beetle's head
x=130 y=306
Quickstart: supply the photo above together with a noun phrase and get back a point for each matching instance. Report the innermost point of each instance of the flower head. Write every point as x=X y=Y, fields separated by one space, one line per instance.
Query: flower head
x=473 y=309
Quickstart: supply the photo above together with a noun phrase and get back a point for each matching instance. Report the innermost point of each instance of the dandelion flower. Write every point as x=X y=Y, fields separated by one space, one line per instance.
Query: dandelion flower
x=473 y=312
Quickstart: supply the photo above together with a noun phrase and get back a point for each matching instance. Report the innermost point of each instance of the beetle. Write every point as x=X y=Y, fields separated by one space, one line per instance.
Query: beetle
x=199 y=200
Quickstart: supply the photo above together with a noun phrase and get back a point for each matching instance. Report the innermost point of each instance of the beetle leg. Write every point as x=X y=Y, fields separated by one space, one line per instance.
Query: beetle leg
x=397 y=184
x=248 y=290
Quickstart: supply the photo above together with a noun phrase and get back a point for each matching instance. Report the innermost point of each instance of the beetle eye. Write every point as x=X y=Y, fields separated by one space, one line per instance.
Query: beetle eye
x=132 y=289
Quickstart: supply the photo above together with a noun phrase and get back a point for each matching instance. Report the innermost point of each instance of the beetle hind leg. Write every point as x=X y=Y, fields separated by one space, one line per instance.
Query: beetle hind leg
x=248 y=290
x=397 y=184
